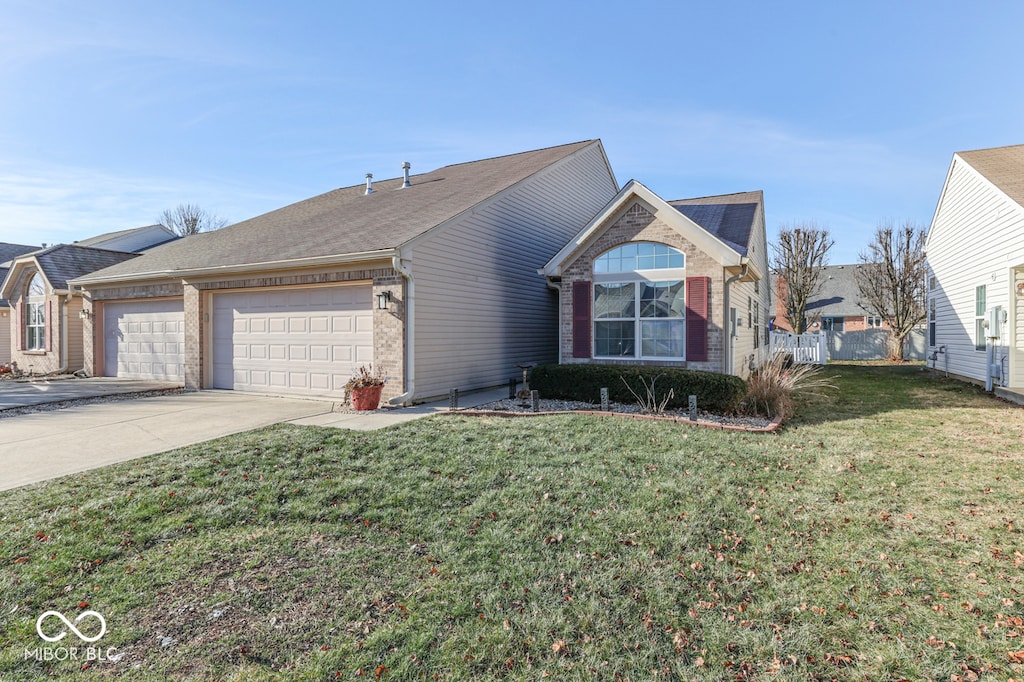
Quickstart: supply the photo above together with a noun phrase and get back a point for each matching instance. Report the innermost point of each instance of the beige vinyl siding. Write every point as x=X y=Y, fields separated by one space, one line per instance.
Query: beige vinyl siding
x=977 y=235
x=481 y=308
x=76 y=351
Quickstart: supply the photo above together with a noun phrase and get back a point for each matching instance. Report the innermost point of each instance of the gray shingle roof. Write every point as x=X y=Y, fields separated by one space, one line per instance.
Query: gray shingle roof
x=730 y=217
x=839 y=295
x=1002 y=166
x=63 y=262
x=345 y=221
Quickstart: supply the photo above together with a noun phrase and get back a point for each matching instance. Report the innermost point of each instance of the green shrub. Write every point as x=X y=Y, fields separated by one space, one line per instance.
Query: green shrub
x=715 y=392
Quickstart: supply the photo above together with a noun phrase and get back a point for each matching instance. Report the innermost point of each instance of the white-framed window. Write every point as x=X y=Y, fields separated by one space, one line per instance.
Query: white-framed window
x=931 y=321
x=35 y=314
x=832 y=324
x=757 y=324
x=640 y=302
x=979 y=318
x=874 y=322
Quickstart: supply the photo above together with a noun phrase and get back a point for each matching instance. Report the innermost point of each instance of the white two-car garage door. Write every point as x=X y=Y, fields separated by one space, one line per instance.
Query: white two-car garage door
x=301 y=341
x=144 y=339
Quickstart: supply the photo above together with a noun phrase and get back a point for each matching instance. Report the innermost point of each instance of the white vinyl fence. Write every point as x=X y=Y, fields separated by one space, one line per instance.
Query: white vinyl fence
x=871 y=344
x=806 y=349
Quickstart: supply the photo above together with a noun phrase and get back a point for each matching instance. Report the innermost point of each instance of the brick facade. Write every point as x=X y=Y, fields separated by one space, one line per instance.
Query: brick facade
x=637 y=223
x=388 y=325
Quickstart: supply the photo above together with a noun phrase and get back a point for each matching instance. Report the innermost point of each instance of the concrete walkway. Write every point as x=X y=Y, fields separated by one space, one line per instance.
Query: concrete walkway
x=50 y=444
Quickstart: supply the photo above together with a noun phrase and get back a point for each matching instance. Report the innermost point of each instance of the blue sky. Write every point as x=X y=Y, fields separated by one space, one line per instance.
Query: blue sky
x=846 y=113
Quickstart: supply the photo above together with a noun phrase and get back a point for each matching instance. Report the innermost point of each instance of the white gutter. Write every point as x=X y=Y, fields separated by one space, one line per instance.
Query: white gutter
x=410 y=336
x=241 y=268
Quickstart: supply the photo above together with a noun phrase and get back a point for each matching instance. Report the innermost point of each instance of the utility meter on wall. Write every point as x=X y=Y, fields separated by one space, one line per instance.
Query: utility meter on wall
x=994 y=319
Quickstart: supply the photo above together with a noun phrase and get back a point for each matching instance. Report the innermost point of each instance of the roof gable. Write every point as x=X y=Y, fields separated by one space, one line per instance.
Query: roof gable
x=63 y=262
x=1002 y=166
x=346 y=221
x=724 y=218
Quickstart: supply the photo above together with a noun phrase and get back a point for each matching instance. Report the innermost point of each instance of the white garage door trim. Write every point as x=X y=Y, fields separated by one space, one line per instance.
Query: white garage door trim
x=300 y=341
x=144 y=339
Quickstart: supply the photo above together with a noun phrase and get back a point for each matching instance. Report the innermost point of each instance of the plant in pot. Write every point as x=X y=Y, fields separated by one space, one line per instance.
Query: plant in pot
x=365 y=387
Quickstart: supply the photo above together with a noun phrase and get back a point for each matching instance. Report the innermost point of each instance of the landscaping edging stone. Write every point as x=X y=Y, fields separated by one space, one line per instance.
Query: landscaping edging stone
x=772 y=427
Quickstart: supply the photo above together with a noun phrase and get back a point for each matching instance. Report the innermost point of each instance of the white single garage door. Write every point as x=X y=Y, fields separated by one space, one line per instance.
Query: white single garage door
x=302 y=341
x=144 y=339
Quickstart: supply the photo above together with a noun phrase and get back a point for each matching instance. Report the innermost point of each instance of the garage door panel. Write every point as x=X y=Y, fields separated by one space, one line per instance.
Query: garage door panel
x=144 y=339
x=298 y=341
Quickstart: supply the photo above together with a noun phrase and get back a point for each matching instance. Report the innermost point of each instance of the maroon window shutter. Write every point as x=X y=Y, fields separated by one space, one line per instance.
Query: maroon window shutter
x=697 y=318
x=19 y=325
x=581 y=319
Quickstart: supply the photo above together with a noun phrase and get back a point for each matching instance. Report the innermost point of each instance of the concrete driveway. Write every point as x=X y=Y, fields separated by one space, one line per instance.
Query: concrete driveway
x=44 y=445
x=23 y=394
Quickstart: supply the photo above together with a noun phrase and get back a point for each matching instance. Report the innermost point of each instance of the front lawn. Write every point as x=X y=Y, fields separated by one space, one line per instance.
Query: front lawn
x=877 y=536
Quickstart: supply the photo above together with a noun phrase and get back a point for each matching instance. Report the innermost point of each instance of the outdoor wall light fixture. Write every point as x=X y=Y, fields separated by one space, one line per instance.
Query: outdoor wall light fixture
x=84 y=314
x=383 y=299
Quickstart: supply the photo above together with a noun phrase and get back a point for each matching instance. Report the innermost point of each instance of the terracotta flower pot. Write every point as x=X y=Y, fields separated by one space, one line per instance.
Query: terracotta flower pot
x=367 y=398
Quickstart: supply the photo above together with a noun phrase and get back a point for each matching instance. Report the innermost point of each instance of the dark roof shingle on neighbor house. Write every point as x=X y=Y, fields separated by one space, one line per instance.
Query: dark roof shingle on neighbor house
x=1002 y=166
x=730 y=217
x=346 y=221
x=64 y=262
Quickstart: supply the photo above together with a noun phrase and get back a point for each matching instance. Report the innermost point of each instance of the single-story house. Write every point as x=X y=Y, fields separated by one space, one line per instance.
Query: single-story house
x=670 y=283
x=44 y=331
x=835 y=306
x=8 y=252
x=975 y=260
x=429 y=277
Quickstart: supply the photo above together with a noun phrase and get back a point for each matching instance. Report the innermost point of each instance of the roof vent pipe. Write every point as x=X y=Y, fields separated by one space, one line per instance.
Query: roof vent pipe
x=369 y=183
x=405 y=169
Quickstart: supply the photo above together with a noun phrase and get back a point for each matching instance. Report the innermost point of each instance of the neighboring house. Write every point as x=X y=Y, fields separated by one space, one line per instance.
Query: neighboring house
x=671 y=283
x=44 y=329
x=7 y=253
x=835 y=307
x=431 y=278
x=975 y=257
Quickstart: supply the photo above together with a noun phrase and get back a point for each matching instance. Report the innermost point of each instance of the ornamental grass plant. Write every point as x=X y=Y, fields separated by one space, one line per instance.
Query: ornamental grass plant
x=771 y=388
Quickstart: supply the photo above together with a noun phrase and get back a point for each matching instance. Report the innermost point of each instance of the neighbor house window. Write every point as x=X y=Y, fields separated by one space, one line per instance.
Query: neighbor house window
x=757 y=324
x=35 y=316
x=874 y=321
x=832 y=324
x=640 y=302
x=931 y=322
x=979 y=318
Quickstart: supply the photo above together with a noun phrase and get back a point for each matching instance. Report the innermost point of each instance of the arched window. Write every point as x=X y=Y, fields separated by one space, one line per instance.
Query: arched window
x=35 y=314
x=639 y=295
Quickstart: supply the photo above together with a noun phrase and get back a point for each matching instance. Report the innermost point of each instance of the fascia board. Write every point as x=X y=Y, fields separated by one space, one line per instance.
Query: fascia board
x=344 y=259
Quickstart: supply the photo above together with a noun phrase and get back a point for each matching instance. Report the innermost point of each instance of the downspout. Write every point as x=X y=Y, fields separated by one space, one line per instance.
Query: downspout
x=557 y=286
x=410 y=336
x=63 y=303
x=727 y=346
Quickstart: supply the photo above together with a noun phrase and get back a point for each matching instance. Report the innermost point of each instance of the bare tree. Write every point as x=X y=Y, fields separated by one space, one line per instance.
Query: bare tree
x=891 y=281
x=797 y=260
x=186 y=219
